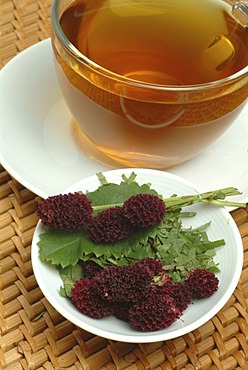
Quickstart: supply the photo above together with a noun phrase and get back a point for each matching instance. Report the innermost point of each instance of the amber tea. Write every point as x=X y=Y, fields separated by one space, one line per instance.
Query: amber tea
x=160 y=44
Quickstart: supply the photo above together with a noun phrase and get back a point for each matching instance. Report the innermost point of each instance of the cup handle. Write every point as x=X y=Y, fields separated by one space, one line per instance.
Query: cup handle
x=240 y=11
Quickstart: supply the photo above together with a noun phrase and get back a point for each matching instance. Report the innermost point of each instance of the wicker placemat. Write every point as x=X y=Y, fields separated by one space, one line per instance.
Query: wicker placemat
x=33 y=334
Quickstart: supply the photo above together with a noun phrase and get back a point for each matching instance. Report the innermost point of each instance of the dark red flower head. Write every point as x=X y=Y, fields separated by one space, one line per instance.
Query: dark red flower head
x=182 y=296
x=90 y=268
x=124 y=283
x=67 y=211
x=144 y=210
x=88 y=302
x=153 y=264
x=201 y=283
x=109 y=226
x=156 y=311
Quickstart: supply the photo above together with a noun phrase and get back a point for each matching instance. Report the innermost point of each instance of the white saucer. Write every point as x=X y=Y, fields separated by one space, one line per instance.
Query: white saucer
x=37 y=146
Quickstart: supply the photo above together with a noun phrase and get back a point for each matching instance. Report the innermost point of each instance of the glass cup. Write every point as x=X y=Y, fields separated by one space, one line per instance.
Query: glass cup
x=145 y=117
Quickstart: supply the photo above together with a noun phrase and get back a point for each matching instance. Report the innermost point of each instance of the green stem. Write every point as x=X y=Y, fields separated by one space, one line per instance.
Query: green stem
x=105 y=206
x=216 y=197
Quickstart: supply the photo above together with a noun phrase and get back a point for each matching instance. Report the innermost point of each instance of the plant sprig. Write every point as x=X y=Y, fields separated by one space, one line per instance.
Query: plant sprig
x=215 y=197
x=180 y=249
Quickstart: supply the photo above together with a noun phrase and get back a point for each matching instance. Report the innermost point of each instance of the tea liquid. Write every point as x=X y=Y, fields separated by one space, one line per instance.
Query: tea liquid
x=159 y=41
x=169 y=42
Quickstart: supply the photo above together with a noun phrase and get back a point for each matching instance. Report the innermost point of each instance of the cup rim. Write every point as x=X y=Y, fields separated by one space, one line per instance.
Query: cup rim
x=97 y=68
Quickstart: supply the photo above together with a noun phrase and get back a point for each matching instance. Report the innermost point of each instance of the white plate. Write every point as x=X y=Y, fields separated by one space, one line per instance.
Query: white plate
x=229 y=257
x=37 y=145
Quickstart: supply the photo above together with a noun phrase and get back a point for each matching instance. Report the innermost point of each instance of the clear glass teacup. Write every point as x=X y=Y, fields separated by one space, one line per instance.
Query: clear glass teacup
x=146 y=94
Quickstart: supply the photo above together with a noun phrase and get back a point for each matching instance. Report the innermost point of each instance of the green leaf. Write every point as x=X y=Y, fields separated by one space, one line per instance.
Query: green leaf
x=69 y=275
x=60 y=247
x=109 y=193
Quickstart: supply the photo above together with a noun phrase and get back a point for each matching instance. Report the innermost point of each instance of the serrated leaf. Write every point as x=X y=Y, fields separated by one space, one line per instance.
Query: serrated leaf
x=114 y=194
x=60 y=248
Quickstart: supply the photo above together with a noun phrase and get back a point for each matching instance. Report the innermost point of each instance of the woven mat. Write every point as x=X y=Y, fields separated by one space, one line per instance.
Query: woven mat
x=33 y=334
